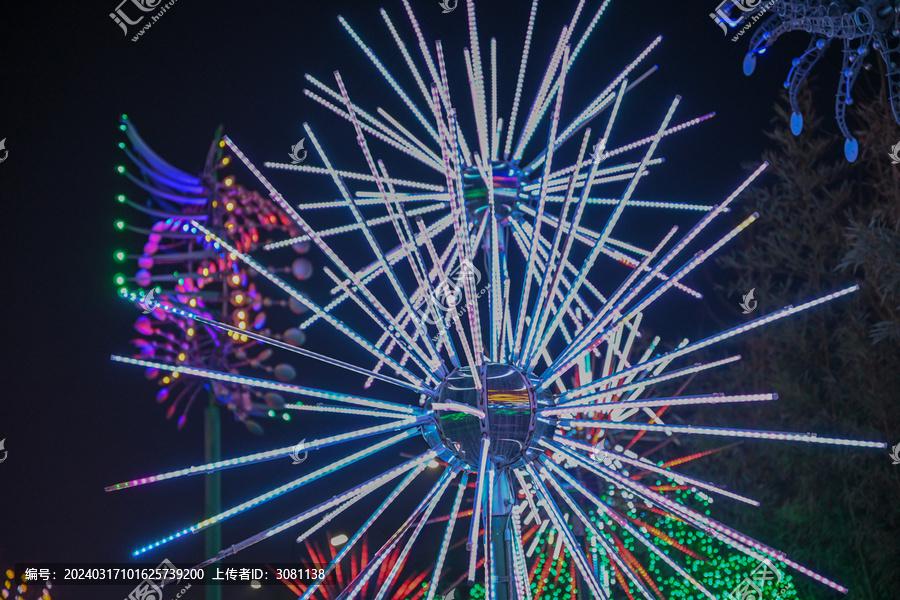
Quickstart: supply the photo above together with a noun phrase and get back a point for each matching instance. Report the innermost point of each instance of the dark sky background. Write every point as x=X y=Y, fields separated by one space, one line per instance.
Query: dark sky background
x=75 y=422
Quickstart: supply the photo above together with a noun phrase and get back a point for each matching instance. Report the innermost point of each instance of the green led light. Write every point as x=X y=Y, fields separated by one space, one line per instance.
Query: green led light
x=286 y=417
x=120 y=225
x=122 y=127
x=120 y=256
x=271 y=413
x=120 y=198
x=120 y=279
x=120 y=169
x=121 y=145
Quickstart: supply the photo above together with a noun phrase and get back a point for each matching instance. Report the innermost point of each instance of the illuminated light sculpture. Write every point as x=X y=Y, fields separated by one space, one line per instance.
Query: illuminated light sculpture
x=552 y=572
x=863 y=27
x=178 y=265
x=21 y=588
x=342 y=575
x=475 y=363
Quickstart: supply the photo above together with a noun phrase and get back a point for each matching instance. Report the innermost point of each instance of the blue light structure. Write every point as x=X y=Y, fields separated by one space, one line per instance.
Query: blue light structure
x=862 y=26
x=475 y=363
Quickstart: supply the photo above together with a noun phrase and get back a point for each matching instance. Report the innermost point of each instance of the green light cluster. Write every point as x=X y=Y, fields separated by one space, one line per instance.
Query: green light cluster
x=722 y=570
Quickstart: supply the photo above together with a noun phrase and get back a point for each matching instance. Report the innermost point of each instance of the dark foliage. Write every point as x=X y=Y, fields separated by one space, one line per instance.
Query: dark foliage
x=825 y=224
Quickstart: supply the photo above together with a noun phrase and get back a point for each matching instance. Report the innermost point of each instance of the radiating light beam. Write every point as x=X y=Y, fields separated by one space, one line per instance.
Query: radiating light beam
x=785 y=312
x=459 y=407
x=345 y=549
x=445 y=542
x=363 y=489
x=279 y=344
x=279 y=491
x=725 y=534
x=474 y=526
x=389 y=409
x=716 y=398
x=740 y=433
x=562 y=529
x=270 y=454
x=362 y=578
x=631 y=530
x=337 y=324
x=441 y=487
x=611 y=552
x=599 y=454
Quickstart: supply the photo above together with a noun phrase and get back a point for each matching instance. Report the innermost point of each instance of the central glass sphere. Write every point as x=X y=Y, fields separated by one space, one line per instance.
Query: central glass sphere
x=507 y=180
x=509 y=407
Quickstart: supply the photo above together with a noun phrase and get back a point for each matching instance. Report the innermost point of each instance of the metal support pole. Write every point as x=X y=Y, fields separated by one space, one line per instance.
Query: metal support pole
x=212 y=430
x=581 y=536
x=501 y=537
x=213 y=453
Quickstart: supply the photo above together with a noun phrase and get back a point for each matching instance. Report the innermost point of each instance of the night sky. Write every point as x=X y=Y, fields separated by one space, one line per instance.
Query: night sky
x=74 y=421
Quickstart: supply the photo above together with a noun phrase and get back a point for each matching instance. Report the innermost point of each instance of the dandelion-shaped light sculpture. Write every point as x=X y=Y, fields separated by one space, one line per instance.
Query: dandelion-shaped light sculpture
x=176 y=264
x=861 y=26
x=412 y=589
x=483 y=383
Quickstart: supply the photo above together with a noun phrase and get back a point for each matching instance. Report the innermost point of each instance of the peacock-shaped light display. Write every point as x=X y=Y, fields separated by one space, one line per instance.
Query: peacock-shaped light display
x=476 y=292
x=176 y=264
x=862 y=26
